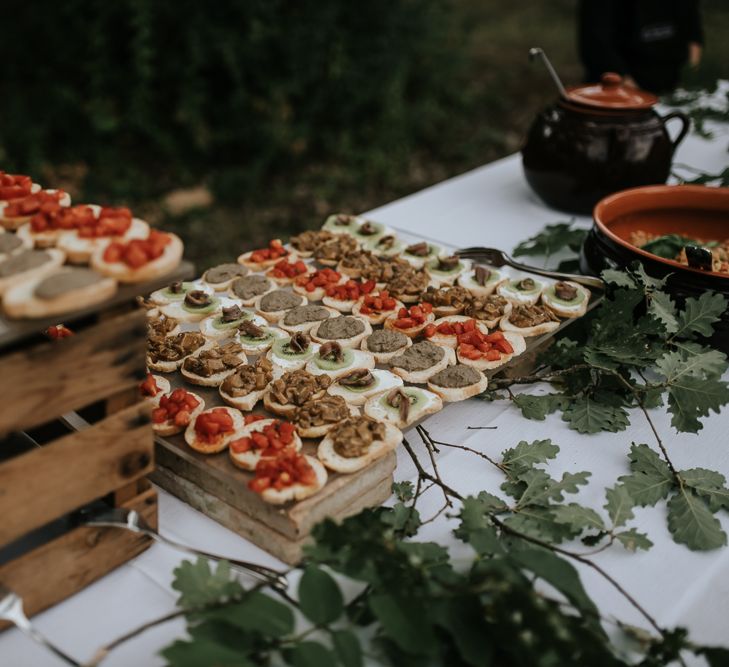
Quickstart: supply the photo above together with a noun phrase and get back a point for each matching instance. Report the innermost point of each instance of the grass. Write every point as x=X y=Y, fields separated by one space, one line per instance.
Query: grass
x=502 y=92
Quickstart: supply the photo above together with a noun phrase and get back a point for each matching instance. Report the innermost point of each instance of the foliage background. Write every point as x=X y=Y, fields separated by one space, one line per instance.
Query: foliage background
x=284 y=111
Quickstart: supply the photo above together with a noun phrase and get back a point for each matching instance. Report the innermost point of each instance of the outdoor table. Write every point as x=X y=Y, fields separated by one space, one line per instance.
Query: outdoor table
x=491 y=206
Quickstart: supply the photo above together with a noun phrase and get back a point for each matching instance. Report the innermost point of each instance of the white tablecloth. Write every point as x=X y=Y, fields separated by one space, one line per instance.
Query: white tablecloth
x=491 y=205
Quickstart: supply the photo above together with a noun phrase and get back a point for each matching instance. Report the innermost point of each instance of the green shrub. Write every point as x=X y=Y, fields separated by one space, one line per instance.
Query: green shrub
x=162 y=92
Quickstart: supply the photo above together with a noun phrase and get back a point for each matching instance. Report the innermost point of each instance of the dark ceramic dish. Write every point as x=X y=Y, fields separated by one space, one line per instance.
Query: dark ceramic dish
x=597 y=140
x=692 y=211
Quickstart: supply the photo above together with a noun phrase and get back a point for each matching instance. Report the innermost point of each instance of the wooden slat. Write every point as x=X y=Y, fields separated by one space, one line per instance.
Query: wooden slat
x=64 y=566
x=287 y=549
x=51 y=378
x=13 y=332
x=46 y=483
x=218 y=476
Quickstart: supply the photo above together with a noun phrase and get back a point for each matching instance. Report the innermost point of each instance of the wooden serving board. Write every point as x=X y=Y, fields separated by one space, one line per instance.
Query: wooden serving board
x=219 y=489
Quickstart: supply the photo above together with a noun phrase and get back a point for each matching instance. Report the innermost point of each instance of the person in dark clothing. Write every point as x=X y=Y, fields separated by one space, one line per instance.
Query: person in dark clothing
x=647 y=41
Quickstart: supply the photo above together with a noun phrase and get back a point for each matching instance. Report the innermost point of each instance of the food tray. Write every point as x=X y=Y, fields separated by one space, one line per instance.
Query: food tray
x=213 y=485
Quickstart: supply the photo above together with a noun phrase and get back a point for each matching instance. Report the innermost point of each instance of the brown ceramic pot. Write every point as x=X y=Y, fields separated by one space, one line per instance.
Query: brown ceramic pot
x=597 y=140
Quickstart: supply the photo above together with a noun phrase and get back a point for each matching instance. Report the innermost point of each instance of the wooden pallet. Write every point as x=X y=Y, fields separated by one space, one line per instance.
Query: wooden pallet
x=214 y=486
x=45 y=556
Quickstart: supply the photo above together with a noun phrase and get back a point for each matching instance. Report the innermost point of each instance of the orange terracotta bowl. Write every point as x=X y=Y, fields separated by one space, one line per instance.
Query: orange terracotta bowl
x=694 y=211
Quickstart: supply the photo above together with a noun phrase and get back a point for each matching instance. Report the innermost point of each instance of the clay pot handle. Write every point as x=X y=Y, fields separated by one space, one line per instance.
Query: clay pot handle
x=685 y=126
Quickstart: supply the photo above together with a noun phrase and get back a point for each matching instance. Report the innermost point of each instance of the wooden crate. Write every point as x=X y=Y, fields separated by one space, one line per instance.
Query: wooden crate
x=45 y=556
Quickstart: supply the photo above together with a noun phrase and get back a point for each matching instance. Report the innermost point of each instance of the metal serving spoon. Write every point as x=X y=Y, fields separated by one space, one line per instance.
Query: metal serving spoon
x=499 y=258
x=11 y=609
x=131 y=520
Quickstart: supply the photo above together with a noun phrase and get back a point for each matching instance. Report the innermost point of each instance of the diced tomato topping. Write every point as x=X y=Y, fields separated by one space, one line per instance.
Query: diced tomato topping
x=429 y=330
x=285 y=269
x=176 y=406
x=34 y=203
x=58 y=331
x=321 y=278
x=269 y=441
x=14 y=186
x=149 y=386
x=407 y=318
x=351 y=290
x=249 y=419
x=111 y=222
x=474 y=344
x=274 y=251
x=377 y=303
x=284 y=470
x=213 y=423
x=137 y=252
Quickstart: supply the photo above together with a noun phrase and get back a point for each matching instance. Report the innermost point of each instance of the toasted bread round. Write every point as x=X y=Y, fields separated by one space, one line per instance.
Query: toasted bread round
x=221 y=277
x=168 y=428
x=305 y=327
x=298 y=491
x=508 y=290
x=11 y=244
x=447 y=340
x=468 y=280
x=384 y=381
x=215 y=379
x=243 y=403
x=282 y=410
x=164 y=264
x=375 y=318
x=329 y=456
x=350 y=342
x=492 y=324
x=419 y=261
x=565 y=308
x=351 y=359
x=13 y=223
x=384 y=357
x=248 y=460
x=537 y=330
x=410 y=332
x=165 y=296
x=171 y=366
x=440 y=278
x=421 y=377
x=48 y=238
x=219 y=443
x=214 y=327
x=79 y=250
x=259 y=345
x=163 y=387
x=453 y=394
x=245 y=260
x=55 y=259
x=234 y=291
x=422 y=404
x=183 y=313
x=517 y=342
x=322 y=429
x=21 y=301
x=273 y=316
x=290 y=362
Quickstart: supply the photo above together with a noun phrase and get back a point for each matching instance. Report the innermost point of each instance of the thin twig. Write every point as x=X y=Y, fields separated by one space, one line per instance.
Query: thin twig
x=475 y=452
x=533 y=540
x=103 y=652
x=581 y=559
x=430 y=448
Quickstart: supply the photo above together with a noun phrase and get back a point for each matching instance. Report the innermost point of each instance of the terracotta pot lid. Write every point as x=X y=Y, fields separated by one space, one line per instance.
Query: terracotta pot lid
x=611 y=93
